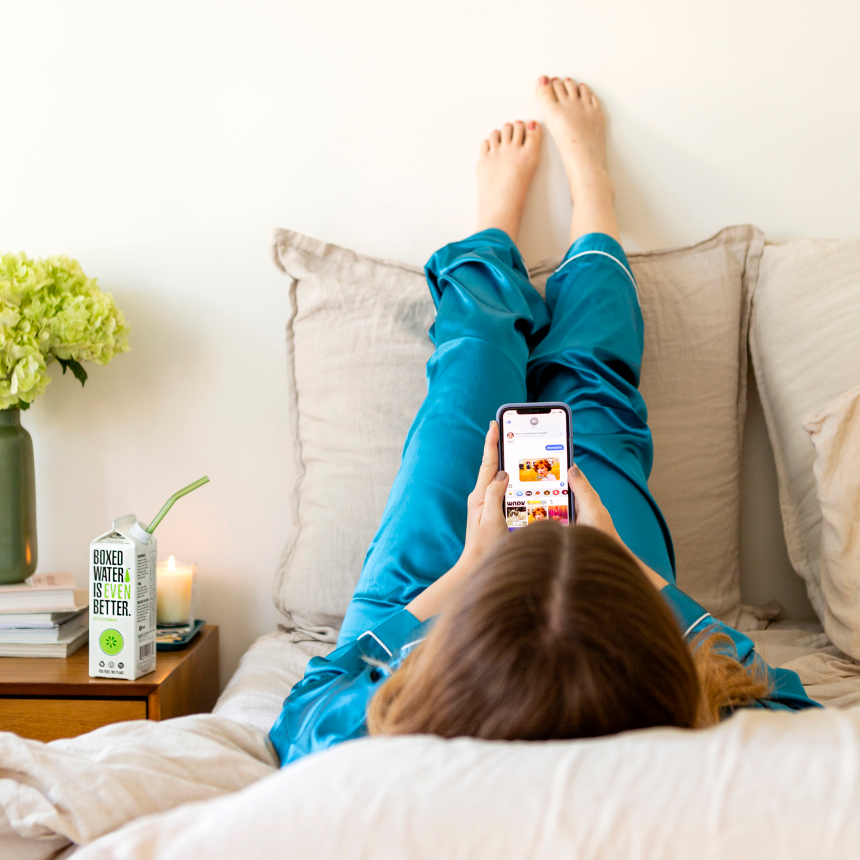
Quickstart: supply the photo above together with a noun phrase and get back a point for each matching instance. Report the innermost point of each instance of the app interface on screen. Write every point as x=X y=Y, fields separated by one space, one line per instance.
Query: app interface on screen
x=536 y=460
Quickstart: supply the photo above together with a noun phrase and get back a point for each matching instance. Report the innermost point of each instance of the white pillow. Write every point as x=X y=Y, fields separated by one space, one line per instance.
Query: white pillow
x=835 y=433
x=805 y=344
x=773 y=786
x=357 y=344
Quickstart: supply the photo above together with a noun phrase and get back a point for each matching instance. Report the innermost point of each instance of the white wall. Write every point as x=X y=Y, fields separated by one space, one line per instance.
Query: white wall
x=159 y=143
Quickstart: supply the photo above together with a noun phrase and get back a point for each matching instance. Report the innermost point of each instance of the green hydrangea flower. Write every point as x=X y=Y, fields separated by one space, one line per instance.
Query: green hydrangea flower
x=50 y=310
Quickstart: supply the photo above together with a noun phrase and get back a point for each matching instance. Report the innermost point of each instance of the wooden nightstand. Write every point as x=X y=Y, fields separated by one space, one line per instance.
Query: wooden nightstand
x=48 y=698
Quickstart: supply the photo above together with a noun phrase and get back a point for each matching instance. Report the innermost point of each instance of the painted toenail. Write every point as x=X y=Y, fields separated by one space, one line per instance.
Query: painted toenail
x=532 y=125
x=544 y=80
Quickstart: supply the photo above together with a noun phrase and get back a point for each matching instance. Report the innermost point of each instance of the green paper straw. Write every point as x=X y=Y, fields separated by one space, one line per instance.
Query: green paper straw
x=169 y=503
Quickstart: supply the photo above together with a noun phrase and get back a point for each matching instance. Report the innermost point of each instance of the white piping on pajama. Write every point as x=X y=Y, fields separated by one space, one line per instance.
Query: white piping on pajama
x=374 y=636
x=603 y=254
x=695 y=623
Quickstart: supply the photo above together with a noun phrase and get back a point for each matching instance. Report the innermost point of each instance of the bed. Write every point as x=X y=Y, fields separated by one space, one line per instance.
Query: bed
x=762 y=783
x=780 y=785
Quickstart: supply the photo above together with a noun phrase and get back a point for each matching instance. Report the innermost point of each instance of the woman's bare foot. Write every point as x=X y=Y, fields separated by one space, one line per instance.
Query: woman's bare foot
x=575 y=120
x=506 y=166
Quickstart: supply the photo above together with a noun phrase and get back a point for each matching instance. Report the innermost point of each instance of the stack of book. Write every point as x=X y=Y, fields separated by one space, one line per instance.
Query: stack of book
x=45 y=616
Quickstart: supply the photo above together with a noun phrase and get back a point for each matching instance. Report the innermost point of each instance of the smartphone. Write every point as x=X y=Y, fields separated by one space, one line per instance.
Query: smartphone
x=536 y=450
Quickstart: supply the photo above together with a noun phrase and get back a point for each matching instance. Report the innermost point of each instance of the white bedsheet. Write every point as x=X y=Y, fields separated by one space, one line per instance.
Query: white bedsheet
x=266 y=674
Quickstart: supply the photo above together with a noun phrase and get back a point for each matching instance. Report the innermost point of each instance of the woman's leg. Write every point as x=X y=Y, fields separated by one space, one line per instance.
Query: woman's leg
x=486 y=314
x=592 y=354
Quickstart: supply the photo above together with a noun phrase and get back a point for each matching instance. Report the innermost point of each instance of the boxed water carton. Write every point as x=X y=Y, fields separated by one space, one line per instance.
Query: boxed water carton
x=122 y=601
x=122 y=595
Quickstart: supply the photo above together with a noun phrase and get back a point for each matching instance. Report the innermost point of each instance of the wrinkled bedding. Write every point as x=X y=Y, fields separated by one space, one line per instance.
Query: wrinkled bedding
x=75 y=790
x=71 y=792
x=827 y=674
x=763 y=785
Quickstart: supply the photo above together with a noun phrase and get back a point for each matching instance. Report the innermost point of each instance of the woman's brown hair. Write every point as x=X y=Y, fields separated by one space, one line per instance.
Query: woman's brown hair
x=559 y=634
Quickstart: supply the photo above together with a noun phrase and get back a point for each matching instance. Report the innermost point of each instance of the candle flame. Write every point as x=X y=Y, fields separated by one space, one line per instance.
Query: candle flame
x=171 y=564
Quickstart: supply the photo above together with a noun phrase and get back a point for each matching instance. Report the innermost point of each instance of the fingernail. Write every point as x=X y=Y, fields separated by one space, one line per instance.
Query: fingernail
x=501 y=476
x=575 y=471
x=532 y=125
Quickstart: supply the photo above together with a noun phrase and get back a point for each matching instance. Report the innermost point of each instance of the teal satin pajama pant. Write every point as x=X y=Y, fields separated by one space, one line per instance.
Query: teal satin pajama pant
x=497 y=341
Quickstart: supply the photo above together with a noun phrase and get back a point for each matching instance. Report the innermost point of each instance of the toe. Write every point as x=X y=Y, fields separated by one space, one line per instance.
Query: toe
x=519 y=132
x=507 y=132
x=545 y=89
x=560 y=91
x=485 y=147
x=570 y=87
x=585 y=93
x=532 y=133
x=495 y=137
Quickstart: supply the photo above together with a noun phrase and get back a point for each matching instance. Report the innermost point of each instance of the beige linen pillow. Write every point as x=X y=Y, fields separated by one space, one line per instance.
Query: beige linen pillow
x=356 y=347
x=805 y=344
x=835 y=433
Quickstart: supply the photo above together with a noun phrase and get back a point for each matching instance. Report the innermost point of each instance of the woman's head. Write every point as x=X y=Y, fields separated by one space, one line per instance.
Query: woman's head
x=558 y=635
x=539 y=513
x=542 y=467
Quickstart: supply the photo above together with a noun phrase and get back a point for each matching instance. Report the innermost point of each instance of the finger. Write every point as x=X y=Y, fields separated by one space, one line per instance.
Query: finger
x=585 y=496
x=577 y=478
x=494 y=497
x=489 y=460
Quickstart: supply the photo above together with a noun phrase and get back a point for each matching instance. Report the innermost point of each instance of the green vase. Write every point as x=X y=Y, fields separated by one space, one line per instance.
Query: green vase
x=18 y=549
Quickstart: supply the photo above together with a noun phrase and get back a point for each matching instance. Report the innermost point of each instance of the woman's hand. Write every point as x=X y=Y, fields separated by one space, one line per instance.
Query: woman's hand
x=590 y=511
x=485 y=525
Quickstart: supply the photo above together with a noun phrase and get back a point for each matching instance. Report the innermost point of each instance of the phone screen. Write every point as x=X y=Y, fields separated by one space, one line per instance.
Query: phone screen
x=535 y=455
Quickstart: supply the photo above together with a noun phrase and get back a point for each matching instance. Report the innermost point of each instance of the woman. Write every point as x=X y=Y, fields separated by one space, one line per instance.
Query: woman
x=554 y=631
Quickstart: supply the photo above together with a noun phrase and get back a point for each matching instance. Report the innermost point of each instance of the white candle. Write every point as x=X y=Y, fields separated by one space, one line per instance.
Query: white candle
x=174 y=591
